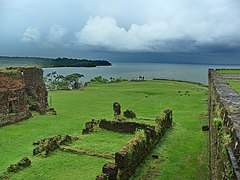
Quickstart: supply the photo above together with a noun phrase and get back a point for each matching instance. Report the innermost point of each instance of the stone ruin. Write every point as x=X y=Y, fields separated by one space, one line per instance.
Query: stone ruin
x=48 y=145
x=90 y=126
x=129 y=114
x=127 y=160
x=130 y=157
x=21 y=89
x=224 y=126
x=110 y=171
x=24 y=162
x=116 y=109
x=126 y=114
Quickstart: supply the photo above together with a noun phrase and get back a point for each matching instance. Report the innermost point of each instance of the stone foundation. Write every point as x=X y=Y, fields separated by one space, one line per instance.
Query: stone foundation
x=23 y=163
x=128 y=159
x=122 y=127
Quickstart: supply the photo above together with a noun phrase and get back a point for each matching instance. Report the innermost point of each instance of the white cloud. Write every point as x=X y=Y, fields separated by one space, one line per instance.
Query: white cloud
x=56 y=33
x=142 y=25
x=169 y=26
x=101 y=32
x=162 y=36
x=31 y=34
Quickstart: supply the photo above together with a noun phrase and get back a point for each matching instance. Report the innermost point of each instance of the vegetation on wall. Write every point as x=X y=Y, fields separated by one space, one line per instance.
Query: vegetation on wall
x=223 y=139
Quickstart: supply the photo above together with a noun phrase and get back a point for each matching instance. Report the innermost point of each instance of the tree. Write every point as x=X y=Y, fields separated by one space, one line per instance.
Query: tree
x=56 y=81
x=74 y=80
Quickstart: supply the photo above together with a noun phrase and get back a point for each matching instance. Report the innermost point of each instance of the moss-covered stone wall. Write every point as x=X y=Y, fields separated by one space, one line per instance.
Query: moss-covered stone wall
x=128 y=159
x=224 y=124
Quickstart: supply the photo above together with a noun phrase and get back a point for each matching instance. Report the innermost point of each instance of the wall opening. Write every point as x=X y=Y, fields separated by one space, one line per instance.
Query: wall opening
x=11 y=107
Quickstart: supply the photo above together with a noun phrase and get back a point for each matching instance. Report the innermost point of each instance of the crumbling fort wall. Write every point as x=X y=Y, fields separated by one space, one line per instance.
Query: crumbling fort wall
x=130 y=157
x=224 y=128
x=35 y=89
x=21 y=89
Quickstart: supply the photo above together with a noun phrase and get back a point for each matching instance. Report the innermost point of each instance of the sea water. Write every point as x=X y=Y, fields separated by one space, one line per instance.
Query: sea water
x=186 y=72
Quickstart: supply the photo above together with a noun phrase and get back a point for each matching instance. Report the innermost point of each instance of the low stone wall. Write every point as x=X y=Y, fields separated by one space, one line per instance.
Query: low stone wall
x=90 y=126
x=128 y=159
x=122 y=127
x=224 y=128
x=110 y=171
x=23 y=163
x=48 y=145
x=14 y=118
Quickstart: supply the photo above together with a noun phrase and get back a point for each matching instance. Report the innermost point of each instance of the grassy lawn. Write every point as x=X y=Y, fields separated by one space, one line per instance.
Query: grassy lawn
x=183 y=151
x=229 y=71
x=63 y=166
x=103 y=141
x=235 y=84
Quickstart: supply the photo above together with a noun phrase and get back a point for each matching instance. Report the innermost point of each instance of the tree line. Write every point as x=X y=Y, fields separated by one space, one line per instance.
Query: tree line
x=56 y=81
x=50 y=62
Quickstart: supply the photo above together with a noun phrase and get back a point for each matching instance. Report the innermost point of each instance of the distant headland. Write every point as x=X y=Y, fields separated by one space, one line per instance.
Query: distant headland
x=50 y=62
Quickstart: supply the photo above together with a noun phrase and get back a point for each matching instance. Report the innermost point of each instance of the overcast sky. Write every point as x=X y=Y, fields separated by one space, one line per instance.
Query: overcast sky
x=92 y=28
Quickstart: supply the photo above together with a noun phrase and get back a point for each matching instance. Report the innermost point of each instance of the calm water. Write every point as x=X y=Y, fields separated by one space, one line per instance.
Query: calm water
x=187 y=72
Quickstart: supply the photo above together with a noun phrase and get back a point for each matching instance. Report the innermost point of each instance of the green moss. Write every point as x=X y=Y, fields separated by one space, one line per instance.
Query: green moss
x=31 y=101
x=10 y=73
x=224 y=140
x=218 y=122
x=139 y=140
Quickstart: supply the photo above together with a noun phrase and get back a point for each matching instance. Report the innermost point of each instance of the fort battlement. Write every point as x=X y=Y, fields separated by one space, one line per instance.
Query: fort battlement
x=224 y=123
x=21 y=89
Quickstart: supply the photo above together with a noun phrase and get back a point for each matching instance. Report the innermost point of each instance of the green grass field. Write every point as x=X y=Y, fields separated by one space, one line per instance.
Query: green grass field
x=229 y=71
x=234 y=83
x=183 y=153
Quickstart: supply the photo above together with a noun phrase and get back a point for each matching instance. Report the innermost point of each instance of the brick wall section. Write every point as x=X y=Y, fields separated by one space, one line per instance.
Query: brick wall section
x=16 y=85
x=13 y=104
x=224 y=121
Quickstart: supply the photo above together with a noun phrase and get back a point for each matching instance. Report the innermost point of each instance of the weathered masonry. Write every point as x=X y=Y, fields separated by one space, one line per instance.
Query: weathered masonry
x=21 y=90
x=130 y=157
x=224 y=123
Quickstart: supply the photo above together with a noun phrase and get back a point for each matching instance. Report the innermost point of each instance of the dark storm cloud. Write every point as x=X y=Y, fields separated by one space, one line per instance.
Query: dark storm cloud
x=120 y=26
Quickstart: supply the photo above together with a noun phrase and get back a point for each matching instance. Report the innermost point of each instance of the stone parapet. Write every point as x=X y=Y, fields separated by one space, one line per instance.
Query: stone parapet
x=224 y=124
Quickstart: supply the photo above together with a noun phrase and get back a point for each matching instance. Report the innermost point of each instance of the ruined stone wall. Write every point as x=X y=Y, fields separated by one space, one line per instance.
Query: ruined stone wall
x=224 y=124
x=128 y=159
x=21 y=88
x=122 y=127
x=13 y=104
x=35 y=88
